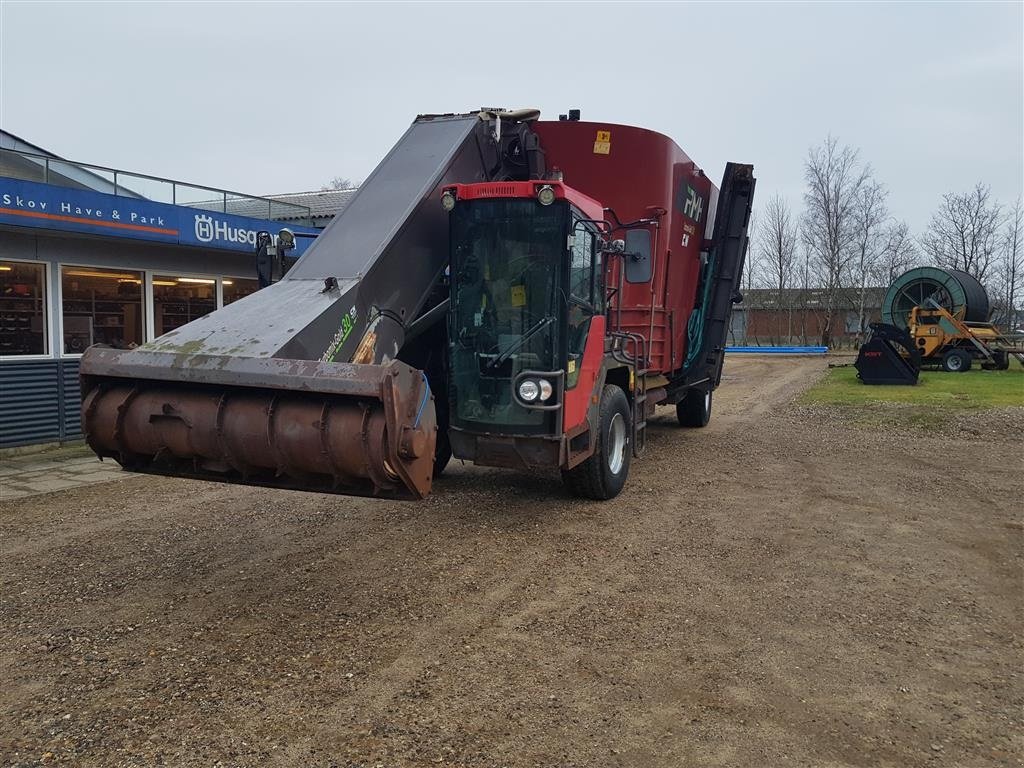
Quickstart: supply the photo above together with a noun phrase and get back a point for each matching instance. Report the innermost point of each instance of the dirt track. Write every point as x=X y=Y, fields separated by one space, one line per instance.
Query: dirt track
x=777 y=589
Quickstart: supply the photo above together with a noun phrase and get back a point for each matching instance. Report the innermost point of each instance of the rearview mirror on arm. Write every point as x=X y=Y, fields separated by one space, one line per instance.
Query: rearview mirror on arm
x=638 y=256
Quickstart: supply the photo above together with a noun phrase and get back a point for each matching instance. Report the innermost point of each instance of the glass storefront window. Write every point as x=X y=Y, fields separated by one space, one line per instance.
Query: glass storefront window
x=180 y=300
x=101 y=306
x=236 y=288
x=22 y=308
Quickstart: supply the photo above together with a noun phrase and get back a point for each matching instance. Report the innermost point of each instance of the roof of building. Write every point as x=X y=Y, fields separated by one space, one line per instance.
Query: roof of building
x=809 y=298
x=9 y=140
x=324 y=202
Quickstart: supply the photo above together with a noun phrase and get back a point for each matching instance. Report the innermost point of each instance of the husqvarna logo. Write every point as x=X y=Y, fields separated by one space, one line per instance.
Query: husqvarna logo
x=209 y=229
x=204 y=228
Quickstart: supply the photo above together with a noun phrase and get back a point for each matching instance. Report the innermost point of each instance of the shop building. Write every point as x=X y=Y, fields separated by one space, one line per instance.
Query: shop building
x=97 y=255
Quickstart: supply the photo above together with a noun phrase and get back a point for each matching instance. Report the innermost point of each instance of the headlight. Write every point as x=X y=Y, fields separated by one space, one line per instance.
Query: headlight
x=528 y=390
x=447 y=201
x=546 y=195
x=546 y=390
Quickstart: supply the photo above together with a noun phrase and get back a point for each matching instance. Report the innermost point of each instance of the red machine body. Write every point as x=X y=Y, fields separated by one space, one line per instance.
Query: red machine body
x=640 y=174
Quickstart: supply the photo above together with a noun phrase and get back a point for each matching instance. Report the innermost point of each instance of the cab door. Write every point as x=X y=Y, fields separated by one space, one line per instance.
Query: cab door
x=585 y=321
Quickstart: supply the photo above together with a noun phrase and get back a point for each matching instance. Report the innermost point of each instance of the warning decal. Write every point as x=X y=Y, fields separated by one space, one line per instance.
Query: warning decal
x=518 y=295
x=603 y=143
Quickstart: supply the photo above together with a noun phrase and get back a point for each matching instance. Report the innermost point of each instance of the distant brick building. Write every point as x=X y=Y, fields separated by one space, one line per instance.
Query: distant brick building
x=799 y=317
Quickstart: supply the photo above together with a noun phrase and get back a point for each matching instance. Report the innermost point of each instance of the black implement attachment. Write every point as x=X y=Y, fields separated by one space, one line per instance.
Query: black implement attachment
x=888 y=357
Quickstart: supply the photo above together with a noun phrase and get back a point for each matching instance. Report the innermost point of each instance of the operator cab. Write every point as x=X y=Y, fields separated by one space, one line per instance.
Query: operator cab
x=526 y=281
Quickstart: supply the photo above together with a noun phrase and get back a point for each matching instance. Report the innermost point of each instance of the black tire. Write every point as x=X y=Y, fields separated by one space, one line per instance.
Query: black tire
x=956 y=361
x=1000 y=360
x=604 y=473
x=694 y=410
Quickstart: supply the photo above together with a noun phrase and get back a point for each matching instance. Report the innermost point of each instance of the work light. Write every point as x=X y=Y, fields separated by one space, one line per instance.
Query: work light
x=447 y=201
x=546 y=195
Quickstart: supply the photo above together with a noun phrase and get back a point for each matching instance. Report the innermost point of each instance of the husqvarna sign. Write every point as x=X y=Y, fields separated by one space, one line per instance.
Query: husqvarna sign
x=211 y=228
x=44 y=206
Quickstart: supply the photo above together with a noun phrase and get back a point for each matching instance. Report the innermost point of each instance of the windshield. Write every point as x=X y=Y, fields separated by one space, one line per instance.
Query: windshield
x=505 y=266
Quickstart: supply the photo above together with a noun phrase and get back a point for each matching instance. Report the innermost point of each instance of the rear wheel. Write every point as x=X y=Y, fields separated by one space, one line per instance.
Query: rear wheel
x=694 y=410
x=1000 y=361
x=956 y=361
x=602 y=475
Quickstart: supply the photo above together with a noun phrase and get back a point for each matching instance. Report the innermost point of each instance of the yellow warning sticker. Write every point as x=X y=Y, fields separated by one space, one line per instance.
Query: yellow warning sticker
x=604 y=136
x=518 y=296
x=572 y=366
x=603 y=143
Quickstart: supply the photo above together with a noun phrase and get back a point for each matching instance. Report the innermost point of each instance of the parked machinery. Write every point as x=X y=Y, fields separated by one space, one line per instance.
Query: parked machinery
x=888 y=357
x=509 y=291
x=946 y=313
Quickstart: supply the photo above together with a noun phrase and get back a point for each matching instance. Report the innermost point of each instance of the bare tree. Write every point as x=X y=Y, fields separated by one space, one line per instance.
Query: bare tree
x=1010 y=268
x=869 y=216
x=804 y=278
x=338 y=182
x=752 y=264
x=899 y=253
x=776 y=246
x=834 y=179
x=964 y=232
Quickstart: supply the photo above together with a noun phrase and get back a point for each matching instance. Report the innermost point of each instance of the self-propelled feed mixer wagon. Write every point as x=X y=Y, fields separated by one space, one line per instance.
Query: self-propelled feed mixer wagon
x=509 y=291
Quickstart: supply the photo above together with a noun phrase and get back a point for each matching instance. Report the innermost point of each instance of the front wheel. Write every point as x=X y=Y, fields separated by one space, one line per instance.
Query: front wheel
x=956 y=361
x=603 y=474
x=694 y=410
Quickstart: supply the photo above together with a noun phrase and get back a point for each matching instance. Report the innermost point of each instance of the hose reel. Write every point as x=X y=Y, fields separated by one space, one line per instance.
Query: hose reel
x=956 y=291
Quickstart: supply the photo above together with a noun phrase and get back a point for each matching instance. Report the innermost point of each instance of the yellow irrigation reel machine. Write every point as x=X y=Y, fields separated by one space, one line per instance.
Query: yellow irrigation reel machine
x=936 y=318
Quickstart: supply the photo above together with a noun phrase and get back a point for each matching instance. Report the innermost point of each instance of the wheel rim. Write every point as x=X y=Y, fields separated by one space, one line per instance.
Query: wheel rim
x=707 y=402
x=955 y=363
x=616 y=443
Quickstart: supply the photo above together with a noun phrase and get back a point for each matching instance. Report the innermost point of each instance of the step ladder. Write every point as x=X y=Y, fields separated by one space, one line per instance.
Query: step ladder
x=638 y=363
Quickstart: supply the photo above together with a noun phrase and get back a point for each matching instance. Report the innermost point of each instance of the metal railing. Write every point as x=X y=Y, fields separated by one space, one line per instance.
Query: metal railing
x=30 y=166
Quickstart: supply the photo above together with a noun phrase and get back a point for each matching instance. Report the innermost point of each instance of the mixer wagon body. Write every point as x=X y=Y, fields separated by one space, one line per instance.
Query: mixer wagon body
x=644 y=175
x=520 y=293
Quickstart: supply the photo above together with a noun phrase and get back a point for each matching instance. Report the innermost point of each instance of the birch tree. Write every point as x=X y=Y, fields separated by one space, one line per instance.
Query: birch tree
x=834 y=177
x=869 y=217
x=1010 y=277
x=776 y=245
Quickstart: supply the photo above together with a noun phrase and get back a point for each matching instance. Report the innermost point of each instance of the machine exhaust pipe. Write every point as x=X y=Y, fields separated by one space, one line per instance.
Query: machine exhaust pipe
x=336 y=428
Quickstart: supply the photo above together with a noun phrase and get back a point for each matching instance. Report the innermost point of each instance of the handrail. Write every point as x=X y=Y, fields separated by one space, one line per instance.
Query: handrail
x=221 y=197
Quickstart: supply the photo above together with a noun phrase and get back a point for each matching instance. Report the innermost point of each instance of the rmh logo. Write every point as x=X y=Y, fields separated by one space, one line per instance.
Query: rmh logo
x=694 y=205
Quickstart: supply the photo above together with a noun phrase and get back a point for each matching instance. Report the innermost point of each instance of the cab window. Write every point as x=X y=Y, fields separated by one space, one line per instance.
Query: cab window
x=586 y=292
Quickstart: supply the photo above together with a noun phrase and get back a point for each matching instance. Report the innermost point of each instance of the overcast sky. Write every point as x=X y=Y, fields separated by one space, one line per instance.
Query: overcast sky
x=267 y=98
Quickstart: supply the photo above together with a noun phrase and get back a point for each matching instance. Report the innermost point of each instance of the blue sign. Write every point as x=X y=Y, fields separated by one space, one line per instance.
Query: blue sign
x=28 y=204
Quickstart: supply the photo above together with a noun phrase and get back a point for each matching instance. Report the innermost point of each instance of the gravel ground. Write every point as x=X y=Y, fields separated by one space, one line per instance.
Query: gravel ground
x=782 y=588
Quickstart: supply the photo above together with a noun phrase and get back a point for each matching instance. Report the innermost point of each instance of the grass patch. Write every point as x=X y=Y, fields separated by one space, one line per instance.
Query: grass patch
x=935 y=389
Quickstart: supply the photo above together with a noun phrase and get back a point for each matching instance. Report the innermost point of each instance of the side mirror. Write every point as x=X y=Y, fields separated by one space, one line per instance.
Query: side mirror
x=639 y=265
